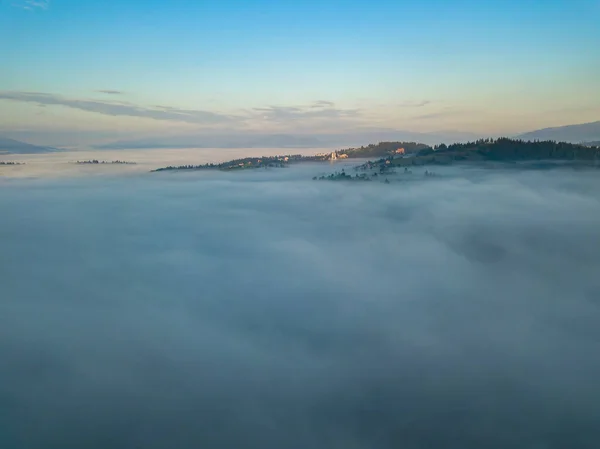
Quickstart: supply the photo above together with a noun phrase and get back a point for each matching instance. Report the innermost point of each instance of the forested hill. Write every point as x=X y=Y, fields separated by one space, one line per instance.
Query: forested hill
x=383 y=149
x=503 y=149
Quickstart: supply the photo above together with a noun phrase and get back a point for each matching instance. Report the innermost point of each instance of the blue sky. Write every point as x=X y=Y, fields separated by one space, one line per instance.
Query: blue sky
x=185 y=66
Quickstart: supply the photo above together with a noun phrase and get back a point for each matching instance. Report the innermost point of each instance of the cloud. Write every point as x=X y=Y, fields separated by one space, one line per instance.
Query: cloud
x=447 y=111
x=265 y=310
x=123 y=108
x=322 y=110
x=432 y=115
x=318 y=114
x=32 y=4
x=110 y=92
x=414 y=104
x=319 y=117
x=323 y=104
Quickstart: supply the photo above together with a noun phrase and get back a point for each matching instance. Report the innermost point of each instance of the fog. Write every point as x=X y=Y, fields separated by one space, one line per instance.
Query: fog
x=261 y=309
x=62 y=164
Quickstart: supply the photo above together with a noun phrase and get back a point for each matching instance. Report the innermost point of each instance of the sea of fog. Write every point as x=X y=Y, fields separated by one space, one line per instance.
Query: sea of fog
x=64 y=163
x=261 y=309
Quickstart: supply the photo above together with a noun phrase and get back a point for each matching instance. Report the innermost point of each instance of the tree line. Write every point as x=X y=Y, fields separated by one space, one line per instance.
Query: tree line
x=504 y=149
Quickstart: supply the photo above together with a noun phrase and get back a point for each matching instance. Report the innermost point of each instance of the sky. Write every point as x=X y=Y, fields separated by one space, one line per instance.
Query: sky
x=104 y=71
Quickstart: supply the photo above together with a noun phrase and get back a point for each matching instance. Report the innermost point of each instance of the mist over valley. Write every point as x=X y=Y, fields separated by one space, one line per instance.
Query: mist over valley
x=262 y=309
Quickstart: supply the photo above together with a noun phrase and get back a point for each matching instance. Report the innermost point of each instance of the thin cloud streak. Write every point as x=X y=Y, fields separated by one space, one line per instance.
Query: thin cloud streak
x=445 y=112
x=321 y=110
x=323 y=104
x=123 y=109
x=32 y=4
x=432 y=115
x=414 y=104
x=319 y=113
x=110 y=92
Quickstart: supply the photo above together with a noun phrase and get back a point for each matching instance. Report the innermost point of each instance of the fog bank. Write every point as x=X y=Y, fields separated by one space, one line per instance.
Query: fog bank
x=261 y=309
x=63 y=163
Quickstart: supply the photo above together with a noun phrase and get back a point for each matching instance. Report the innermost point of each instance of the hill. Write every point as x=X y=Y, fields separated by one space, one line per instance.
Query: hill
x=571 y=133
x=503 y=150
x=12 y=146
x=383 y=149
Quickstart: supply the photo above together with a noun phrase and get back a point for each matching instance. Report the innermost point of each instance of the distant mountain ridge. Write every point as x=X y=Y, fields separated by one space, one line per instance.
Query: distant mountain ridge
x=585 y=132
x=581 y=133
x=317 y=140
x=12 y=146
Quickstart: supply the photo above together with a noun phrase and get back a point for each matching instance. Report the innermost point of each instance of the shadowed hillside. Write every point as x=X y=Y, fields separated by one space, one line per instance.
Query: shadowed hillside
x=16 y=147
x=571 y=133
